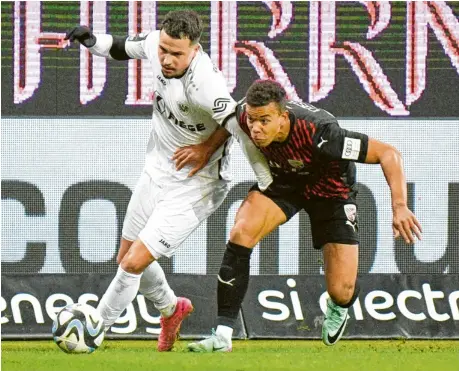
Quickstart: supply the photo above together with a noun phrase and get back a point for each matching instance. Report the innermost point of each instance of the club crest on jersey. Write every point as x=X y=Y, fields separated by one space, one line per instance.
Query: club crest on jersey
x=183 y=108
x=351 y=212
x=297 y=164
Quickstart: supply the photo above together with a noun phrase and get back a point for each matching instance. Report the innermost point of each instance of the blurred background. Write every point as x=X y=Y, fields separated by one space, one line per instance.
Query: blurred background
x=75 y=127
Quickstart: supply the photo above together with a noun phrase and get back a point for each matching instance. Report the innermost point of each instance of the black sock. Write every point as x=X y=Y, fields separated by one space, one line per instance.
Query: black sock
x=234 y=271
x=354 y=296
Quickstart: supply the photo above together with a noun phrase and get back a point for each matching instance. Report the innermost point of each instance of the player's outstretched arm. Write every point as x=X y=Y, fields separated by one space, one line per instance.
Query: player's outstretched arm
x=405 y=223
x=105 y=45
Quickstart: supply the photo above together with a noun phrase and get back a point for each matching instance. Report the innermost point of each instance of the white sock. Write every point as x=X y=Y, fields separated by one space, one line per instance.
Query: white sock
x=154 y=286
x=121 y=292
x=225 y=331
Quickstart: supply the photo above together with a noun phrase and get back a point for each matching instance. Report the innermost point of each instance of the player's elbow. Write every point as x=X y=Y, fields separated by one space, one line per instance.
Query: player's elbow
x=390 y=155
x=381 y=153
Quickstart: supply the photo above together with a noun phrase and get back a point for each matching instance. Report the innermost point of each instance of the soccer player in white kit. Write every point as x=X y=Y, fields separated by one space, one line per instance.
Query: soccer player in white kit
x=191 y=105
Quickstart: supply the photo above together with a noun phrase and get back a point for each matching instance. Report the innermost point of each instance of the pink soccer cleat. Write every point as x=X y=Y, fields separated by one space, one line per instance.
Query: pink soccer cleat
x=170 y=326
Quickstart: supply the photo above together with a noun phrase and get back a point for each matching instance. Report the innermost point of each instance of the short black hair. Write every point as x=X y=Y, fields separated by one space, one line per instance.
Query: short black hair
x=183 y=24
x=263 y=92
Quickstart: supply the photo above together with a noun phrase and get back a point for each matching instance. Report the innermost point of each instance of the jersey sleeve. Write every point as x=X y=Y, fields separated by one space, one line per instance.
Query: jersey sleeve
x=213 y=97
x=136 y=46
x=332 y=142
x=256 y=159
x=120 y=48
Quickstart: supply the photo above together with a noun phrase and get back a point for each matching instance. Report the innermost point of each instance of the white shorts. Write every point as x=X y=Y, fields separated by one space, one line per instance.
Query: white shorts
x=162 y=216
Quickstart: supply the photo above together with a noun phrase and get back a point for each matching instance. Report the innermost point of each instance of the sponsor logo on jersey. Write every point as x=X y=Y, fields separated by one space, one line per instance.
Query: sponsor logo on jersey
x=351 y=148
x=297 y=164
x=183 y=108
x=167 y=244
x=161 y=79
x=322 y=142
x=220 y=104
x=161 y=107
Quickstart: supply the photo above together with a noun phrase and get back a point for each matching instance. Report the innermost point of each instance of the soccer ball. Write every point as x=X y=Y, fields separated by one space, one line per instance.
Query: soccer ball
x=78 y=328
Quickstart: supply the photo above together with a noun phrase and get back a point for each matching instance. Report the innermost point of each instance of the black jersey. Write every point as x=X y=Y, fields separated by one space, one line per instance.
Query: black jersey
x=317 y=158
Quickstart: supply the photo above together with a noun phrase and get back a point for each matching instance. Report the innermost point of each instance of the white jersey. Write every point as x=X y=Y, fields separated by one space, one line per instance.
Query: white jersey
x=186 y=111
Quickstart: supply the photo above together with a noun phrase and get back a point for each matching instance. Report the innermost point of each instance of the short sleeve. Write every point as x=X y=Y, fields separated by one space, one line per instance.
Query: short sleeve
x=335 y=143
x=213 y=97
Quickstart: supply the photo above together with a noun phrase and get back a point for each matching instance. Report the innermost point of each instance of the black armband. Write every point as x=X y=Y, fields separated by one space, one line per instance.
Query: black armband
x=118 y=50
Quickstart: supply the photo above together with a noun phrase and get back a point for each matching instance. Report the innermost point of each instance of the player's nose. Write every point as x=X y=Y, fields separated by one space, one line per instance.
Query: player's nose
x=256 y=127
x=166 y=61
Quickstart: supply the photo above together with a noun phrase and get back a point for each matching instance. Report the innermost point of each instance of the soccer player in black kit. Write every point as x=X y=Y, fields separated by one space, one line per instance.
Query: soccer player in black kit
x=311 y=159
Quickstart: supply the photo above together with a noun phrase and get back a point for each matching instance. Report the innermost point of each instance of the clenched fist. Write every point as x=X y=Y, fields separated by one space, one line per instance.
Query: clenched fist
x=83 y=34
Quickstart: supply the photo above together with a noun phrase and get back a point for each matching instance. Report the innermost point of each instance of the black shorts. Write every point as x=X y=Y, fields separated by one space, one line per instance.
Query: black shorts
x=332 y=220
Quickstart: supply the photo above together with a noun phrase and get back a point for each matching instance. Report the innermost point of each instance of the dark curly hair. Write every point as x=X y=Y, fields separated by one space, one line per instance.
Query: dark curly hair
x=263 y=92
x=183 y=24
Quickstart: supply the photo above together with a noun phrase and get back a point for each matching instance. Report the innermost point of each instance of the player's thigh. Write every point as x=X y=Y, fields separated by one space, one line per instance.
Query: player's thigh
x=140 y=208
x=333 y=221
x=178 y=214
x=334 y=227
x=257 y=216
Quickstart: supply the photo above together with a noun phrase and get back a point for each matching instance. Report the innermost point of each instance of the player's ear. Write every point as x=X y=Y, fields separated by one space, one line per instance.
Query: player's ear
x=285 y=115
x=195 y=47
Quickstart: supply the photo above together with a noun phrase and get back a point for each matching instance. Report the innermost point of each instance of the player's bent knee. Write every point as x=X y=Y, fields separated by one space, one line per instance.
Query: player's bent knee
x=131 y=266
x=245 y=234
x=242 y=236
x=136 y=260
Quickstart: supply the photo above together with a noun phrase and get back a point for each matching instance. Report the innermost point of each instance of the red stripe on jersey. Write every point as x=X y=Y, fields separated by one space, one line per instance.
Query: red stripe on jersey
x=298 y=139
x=308 y=134
x=303 y=142
x=304 y=132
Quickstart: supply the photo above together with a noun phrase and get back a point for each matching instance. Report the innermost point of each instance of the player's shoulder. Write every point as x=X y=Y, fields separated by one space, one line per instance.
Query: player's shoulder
x=310 y=113
x=206 y=85
x=150 y=36
x=203 y=72
x=146 y=41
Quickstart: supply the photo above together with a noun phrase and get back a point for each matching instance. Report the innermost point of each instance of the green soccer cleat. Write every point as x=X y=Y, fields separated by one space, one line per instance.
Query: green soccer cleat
x=334 y=324
x=214 y=343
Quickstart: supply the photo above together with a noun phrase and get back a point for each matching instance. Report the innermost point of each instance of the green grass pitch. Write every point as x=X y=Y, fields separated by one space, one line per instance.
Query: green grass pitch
x=250 y=355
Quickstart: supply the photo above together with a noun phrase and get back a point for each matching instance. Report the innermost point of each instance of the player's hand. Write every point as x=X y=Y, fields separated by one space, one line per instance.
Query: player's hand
x=196 y=155
x=83 y=34
x=405 y=224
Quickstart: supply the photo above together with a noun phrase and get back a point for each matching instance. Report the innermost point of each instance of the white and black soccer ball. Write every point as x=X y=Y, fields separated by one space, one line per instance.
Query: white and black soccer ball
x=78 y=328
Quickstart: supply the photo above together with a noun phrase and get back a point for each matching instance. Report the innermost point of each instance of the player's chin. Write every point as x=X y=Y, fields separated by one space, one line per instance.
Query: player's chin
x=261 y=143
x=169 y=73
